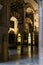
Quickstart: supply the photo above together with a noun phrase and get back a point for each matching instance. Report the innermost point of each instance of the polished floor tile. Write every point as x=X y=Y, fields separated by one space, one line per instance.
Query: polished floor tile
x=26 y=59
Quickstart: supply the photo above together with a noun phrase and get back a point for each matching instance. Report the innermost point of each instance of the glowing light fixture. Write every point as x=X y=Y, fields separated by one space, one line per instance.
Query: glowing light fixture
x=19 y=37
x=29 y=38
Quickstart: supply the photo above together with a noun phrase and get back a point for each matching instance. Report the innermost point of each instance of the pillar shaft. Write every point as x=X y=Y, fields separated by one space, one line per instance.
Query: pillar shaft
x=40 y=33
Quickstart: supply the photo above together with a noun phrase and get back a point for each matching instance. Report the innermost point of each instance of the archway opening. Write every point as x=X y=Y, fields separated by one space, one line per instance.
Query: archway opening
x=24 y=31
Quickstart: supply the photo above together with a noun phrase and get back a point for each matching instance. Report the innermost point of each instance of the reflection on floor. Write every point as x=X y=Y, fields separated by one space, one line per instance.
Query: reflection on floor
x=25 y=59
x=23 y=52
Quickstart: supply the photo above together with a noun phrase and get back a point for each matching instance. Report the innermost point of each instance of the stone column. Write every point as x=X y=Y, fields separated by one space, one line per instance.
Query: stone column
x=4 y=30
x=40 y=32
x=6 y=43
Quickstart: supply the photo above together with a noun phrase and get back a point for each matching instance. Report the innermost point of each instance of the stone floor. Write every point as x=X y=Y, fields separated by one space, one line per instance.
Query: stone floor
x=25 y=59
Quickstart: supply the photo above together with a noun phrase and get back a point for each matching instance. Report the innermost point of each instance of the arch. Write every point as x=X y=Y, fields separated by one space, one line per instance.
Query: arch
x=15 y=29
x=28 y=4
x=29 y=10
